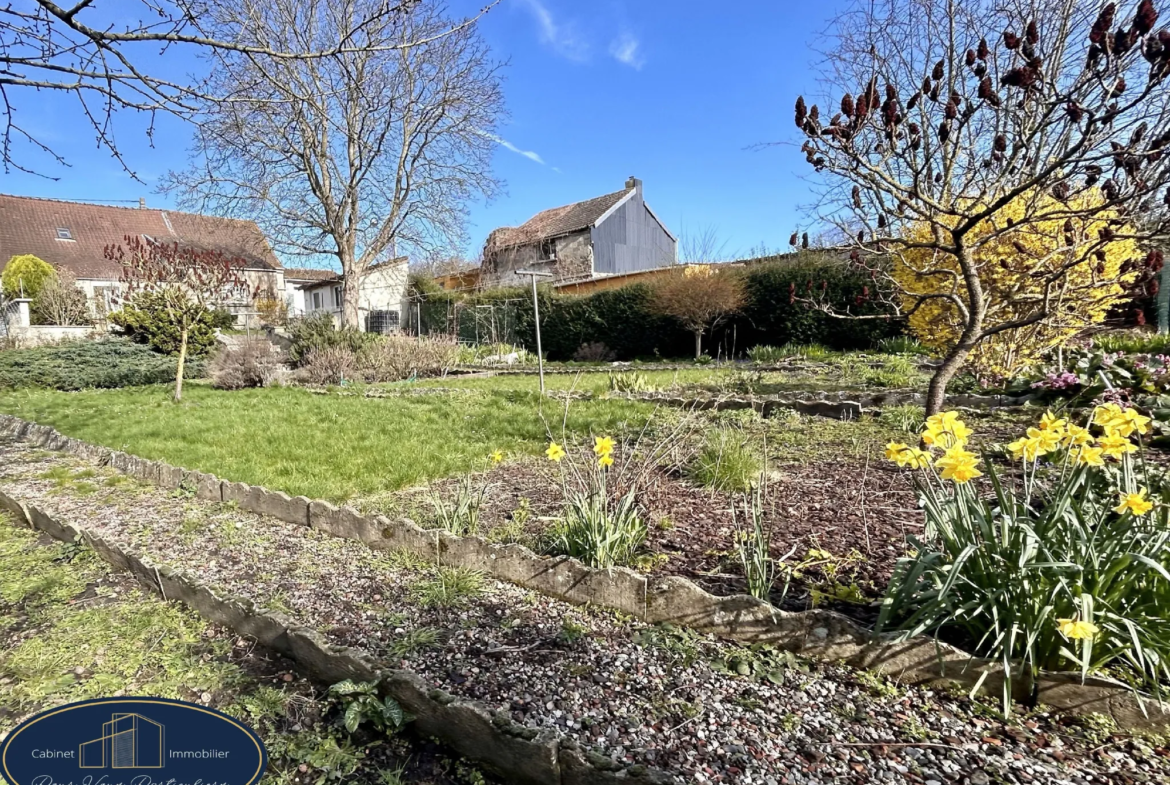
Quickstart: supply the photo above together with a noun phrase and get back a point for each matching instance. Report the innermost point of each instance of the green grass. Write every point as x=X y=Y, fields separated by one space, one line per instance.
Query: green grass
x=322 y=446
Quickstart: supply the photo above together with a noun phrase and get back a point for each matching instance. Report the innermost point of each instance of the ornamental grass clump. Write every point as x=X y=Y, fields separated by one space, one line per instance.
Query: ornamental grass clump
x=1062 y=565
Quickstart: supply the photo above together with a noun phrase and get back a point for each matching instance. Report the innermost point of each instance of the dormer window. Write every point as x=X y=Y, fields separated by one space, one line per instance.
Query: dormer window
x=63 y=233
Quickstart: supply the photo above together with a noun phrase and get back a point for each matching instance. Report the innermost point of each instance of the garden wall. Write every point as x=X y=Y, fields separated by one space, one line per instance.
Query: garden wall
x=819 y=634
x=472 y=729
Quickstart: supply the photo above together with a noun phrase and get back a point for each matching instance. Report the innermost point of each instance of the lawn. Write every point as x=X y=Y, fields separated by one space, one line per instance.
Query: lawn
x=323 y=446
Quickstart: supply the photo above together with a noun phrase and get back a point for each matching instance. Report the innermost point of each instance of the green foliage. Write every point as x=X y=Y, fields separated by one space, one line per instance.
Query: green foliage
x=80 y=365
x=726 y=462
x=460 y=515
x=319 y=331
x=760 y=661
x=774 y=354
x=361 y=704
x=145 y=319
x=630 y=382
x=752 y=546
x=448 y=587
x=906 y=417
x=25 y=275
x=414 y=641
x=901 y=344
x=893 y=372
x=1005 y=575
x=599 y=531
x=1132 y=342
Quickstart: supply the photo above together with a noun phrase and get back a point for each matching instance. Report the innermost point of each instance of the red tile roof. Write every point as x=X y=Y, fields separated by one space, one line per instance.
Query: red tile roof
x=30 y=226
x=557 y=221
x=307 y=274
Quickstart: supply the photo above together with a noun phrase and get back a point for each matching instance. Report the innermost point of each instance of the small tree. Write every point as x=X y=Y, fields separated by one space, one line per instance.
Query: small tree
x=24 y=275
x=963 y=124
x=189 y=281
x=700 y=297
x=60 y=302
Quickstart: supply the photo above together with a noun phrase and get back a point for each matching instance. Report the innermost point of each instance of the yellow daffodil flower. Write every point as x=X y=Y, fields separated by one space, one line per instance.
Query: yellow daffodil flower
x=1076 y=630
x=917 y=459
x=605 y=461
x=945 y=430
x=1047 y=441
x=1132 y=421
x=1115 y=445
x=1106 y=415
x=1050 y=422
x=1090 y=456
x=894 y=452
x=602 y=445
x=496 y=456
x=1076 y=436
x=1135 y=503
x=959 y=465
x=555 y=452
x=1024 y=449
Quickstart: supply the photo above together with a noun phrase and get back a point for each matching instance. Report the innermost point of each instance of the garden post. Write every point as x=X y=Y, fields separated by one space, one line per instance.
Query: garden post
x=536 y=320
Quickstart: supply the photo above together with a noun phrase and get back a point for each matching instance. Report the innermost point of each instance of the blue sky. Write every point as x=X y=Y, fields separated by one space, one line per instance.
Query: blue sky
x=675 y=92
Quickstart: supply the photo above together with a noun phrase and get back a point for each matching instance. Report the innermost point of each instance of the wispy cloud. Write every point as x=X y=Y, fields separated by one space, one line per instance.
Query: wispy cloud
x=529 y=154
x=625 y=49
x=561 y=36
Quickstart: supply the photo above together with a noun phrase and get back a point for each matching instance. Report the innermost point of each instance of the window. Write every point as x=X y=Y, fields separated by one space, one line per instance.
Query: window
x=336 y=296
x=63 y=233
x=316 y=301
x=548 y=249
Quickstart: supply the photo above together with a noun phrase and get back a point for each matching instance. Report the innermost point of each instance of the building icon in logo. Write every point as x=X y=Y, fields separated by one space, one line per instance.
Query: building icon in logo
x=128 y=741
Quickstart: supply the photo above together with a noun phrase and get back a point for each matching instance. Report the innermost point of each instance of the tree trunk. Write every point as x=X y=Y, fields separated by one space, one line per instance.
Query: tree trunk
x=698 y=344
x=936 y=393
x=182 y=362
x=350 y=292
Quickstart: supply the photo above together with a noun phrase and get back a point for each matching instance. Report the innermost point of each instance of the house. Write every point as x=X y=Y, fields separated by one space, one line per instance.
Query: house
x=609 y=235
x=297 y=277
x=382 y=296
x=74 y=235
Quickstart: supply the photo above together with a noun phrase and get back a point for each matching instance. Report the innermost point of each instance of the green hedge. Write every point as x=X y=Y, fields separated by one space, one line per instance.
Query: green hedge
x=114 y=362
x=624 y=320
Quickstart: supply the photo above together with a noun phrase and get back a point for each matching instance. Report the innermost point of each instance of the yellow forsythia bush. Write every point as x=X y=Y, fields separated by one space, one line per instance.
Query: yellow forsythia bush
x=1012 y=267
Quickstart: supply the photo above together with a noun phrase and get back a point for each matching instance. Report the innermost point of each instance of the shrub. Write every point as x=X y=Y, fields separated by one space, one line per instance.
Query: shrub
x=145 y=319
x=79 y=365
x=594 y=352
x=1065 y=568
x=319 y=331
x=272 y=310
x=254 y=364
x=329 y=365
x=24 y=275
x=396 y=357
x=726 y=462
x=60 y=302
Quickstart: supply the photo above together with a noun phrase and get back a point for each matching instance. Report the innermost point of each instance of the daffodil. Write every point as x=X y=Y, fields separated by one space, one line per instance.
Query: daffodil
x=894 y=452
x=1132 y=421
x=1076 y=436
x=1135 y=503
x=602 y=445
x=1050 y=422
x=1114 y=420
x=496 y=456
x=945 y=430
x=1047 y=441
x=959 y=465
x=1025 y=449
x=1077 y=630
x=1090 y=456
x=917 y=459
x=605 y=461
x=555 y=452
x=1115 y=445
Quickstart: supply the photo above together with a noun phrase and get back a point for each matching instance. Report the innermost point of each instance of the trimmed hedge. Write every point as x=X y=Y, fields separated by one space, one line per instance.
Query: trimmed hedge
x=624 y=320
x=78 y=365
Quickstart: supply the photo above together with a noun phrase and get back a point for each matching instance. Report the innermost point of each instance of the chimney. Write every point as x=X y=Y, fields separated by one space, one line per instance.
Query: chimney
x=634 y=183
x=142 y=203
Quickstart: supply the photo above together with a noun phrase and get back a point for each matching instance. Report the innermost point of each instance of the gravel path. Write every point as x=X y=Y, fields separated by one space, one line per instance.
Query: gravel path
x=633 y=693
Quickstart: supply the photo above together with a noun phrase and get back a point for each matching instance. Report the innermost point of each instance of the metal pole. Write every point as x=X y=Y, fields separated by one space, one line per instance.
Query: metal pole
x=536 y=318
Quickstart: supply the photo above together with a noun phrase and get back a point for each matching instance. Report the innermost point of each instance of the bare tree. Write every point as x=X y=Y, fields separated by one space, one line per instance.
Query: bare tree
x=189 y=281
x=700 y=297
x=702 y=245
x=97 y=52
x=948 y=115
x=363 y=156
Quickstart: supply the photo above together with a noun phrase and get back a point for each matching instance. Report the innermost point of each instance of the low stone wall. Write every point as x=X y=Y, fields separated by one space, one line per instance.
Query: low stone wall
x=522 y=754
x=819 y=634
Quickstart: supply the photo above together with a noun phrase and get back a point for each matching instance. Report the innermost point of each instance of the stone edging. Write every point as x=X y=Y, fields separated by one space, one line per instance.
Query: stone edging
x=817 y=634
x=524 y=755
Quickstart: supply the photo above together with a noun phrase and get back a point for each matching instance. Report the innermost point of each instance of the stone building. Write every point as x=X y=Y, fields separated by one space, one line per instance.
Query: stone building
x=614 y=234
